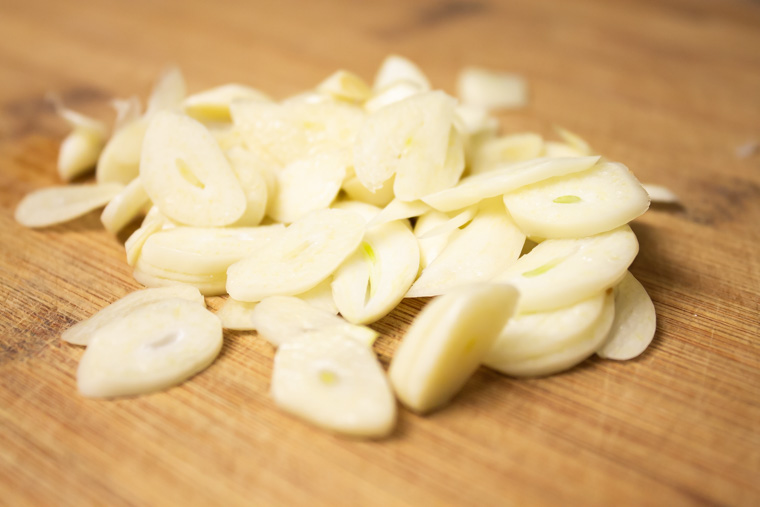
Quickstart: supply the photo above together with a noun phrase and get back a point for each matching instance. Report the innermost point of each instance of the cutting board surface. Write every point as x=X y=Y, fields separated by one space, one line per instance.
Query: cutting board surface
x=670 y=88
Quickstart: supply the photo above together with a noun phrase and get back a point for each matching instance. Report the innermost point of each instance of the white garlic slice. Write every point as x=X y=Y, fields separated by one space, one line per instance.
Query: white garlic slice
x=635 y=321
x=125 y=207
x=55 y=205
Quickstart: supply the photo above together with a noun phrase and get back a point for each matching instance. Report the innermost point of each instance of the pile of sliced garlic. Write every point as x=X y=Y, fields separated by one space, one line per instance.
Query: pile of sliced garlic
x=344 y=200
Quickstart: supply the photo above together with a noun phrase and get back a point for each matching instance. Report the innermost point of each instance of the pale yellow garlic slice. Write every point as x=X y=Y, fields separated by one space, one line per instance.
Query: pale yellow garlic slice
x=660 y=194
x=282 y=319
x=554 y=149
x=168 y=92
x=374 y=279
x=561 y=272
x=120 y=159
x=447 y=342
x=399 y=210
x=507 y=149
x=390 y=95
x=206 y=250
x=214 y=104
x=127 y=111
x=80 y=150
x=581 y=204
x=186 y=174
x=80 y=333
x=455 y=222
x=345 y=85
x=321 y=296
x=354 y=189
x=55 y=205
x=574 y=141
x=153 y=222
x=635 y=321
x=492 y=89
x=395 y=69
x=152 y=276
x=475 y=119
x=333 y=382
x=481 y=250
x=125 y=207
x=310 y=250
x=432 y=245
x=153 y=347
x=308 y=184
x=544 y=343
x=507 y=178
x=410 y=139
x=254 y=176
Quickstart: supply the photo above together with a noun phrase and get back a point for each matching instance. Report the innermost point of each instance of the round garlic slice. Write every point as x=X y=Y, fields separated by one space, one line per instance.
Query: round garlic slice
x=598 y=200
x=309 y=251
x=186 y=174
x=543 y=343
x=80 y=333
x=447 y=342
x=560 y=272
x=332 y=381
x=503 y=179
x=281 y=319
x=154 y=347
x=55 y=205
x=635 y=321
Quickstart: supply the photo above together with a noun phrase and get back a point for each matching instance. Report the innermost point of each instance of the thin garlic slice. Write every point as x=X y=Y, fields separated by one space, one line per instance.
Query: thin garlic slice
x=544 y=343
x=560 y=272
x=660 y=194
x=492 y=89
x=80 y=333
x=156 y=346
x=153 y=222
x=168 y=92
x=395 y=69
x=332 y=381
x=125 y=206
x=186 y=174
x=635 y=321
x=253 y=176
x=152 y=276
x=310 y=251
x=505 y=150
x=345 y=85
x=120 y=159
x=447 y=342
x=281 y=319
x=81 y=148
x=578 y=205
x=506 y=178
x=55 y=205
x=214 y=104
x=399 y=210
x=396 y=92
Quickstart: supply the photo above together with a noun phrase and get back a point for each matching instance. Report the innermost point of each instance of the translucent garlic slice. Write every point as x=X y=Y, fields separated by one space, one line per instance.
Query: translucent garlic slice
x=55 y=205
x=635 y=321
x=125 y=207
x=492 y=89
x=214 y=104
x=395 y=69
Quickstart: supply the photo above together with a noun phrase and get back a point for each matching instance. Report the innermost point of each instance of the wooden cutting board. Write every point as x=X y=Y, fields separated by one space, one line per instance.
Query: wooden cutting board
x=671 y=88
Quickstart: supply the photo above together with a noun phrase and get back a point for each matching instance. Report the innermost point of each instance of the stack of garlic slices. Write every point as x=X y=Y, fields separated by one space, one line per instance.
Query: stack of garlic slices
x=344 y=200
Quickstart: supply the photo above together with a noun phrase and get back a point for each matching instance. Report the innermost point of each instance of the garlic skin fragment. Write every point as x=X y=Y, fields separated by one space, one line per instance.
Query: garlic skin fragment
x=80 y=333
x=447 y=342
x=635 y=321
x=333 y=382
x=55 y=205
x=156 y=346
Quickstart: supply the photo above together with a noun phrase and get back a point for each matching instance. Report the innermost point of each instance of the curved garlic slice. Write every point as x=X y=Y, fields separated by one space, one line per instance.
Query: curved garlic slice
x=492 y=89
x=391 y=94
x=150 y=276
x=335 y=383
x=252 y=176
x=214 y=104
x=635 y=321
x=582 y=204
x=54 y=205
x=153 y=222
x=309 y=251
x=186 y=174
x=433 y=244
x=281 y=319
x=481 y=250
x=660 y=194
x=120 y=159
x=544 y=343
x=168 y=92
x=206 y=250
x=125 y=206
x=345 y=85
x=396 y=69
x=80 y=333
x=81 y=148
x=560 y=272
x=447 y=342
x=374 y=279
x=398 y=210
x=506 y=178
x=504 y=150
x=154 y=347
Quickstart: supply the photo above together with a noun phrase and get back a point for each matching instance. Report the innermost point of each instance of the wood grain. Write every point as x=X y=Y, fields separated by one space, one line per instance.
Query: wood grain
x=668 y=87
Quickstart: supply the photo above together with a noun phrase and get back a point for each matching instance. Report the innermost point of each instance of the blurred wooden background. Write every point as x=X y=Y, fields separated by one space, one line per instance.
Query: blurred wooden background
x=670 y=87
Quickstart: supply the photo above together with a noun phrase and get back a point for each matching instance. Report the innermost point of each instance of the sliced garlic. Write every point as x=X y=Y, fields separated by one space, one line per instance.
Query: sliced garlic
x=168 y=92
x=578 y=205
x=506 y=178
x=491 y=89
x=507 y=149
x=80 y=333
x=395 y=69
x=660 y=194
x=55 y=205
x=345 y=85
x=157 y=345
x=125 y=207
x=120 y=159
x=81 y=148
x=560 y=272
x=335 y=383
x=544 y=343
x=186 y=174
x=152 y=276
x=214 y=104
x=281 y=319
x=252 y=175
x=399 y=210
x=447 y=342
x=635 y=321
x=396 y=92
x=309 y=251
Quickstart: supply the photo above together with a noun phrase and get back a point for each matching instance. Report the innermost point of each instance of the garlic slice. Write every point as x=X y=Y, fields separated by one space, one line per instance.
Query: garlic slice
x=55 y=205
x=125 y=206
x=635 y=321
